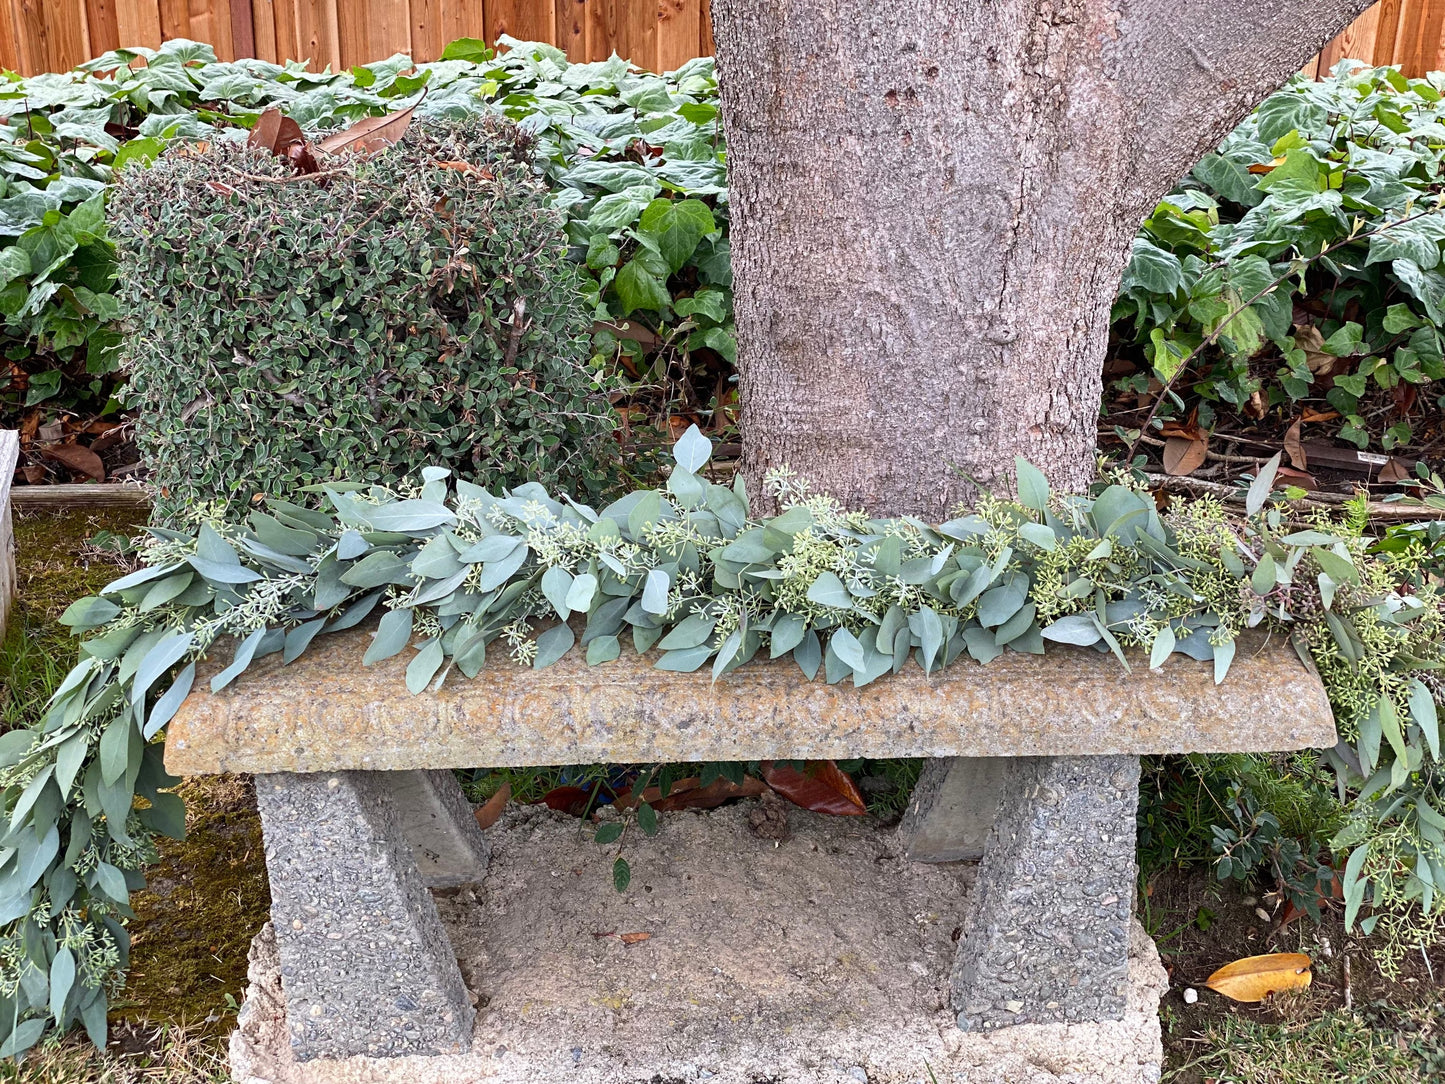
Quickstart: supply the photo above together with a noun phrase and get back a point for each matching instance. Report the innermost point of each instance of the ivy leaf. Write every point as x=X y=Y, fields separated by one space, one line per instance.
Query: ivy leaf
x=641 y=284
x=676 y=226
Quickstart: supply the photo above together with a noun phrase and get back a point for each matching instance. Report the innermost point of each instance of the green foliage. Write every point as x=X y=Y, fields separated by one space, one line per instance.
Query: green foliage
x=402 y=310
x=633 y=159
x=1349 y=164
x=457 y=571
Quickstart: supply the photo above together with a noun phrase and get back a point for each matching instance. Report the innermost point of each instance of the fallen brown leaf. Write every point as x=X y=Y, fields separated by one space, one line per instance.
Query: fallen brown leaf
x=688 y=794
x=1309 y=414
x=1256 y=977
x=634 y=938
x=1294 y=450
x=467 y=167
x=369 y=133
x=81 y=460
x=1183 y=456
x=821 y=786
x=488 y=812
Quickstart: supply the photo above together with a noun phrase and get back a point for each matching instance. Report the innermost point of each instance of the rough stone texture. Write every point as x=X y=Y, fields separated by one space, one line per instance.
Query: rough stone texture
x=905 y=330
x=326 y=712
x=363 y=957
x=952 y=808
x=1047 y=937
x=437 y=819
x=9 y=456
x=792 y=963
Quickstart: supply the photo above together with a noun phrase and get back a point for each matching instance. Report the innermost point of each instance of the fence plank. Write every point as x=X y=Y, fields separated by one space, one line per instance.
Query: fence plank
x=679 y=27
x=1421 y=23
x=175 y=19
x=604 y=30
x=641 y=33
x=427 y=40
x=263 y=30
x=572 y=29
x=210 y=21
x=705 y=46
x=138 y=22
x=1387 y=32
x=1355 y=42
x=243 y=29
x=529 y=20
x=65 y=34
x=464 y=19
x=29 y=18
x=9 y=40
x=316 y=34
x=102 y=27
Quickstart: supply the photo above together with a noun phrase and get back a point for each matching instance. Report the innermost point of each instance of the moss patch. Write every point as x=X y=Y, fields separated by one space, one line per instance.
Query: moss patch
x=55 y=564
x=204 y=901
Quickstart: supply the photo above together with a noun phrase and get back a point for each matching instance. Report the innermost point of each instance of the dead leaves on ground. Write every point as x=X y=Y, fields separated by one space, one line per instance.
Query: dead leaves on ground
x=1255 y=978
x=817 y=785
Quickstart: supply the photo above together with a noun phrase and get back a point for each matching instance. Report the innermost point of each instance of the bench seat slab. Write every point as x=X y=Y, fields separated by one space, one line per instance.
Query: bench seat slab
x=328 y=712
x=365 y=964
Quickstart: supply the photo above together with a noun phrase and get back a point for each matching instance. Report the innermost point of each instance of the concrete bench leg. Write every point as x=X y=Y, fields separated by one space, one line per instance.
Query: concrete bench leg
x=366 y=967
x=1047 y=937
x=952 y=808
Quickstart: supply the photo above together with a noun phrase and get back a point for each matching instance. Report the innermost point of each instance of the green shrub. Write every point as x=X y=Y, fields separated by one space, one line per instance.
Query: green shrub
x=408 y=308
x=1318 y=164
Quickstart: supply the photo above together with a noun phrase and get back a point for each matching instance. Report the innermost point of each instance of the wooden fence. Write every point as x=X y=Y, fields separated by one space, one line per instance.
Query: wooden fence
x=53 y=35
x=1410 y=33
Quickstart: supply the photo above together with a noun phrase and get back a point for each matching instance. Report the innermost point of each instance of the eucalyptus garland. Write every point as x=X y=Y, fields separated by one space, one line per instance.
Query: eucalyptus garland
x=454 y=571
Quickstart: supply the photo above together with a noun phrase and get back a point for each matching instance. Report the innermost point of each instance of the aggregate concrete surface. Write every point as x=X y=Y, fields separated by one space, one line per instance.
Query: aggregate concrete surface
x=821 y=960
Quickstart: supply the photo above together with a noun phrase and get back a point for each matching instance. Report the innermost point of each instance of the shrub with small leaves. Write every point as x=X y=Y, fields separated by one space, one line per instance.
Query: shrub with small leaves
x=415 y=306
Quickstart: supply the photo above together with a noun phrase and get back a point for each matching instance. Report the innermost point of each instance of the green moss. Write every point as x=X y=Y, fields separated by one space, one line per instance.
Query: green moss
x=205 y=900
x=55 y=565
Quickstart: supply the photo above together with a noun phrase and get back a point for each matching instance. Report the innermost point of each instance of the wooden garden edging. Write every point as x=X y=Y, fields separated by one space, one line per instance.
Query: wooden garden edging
x=9 y=456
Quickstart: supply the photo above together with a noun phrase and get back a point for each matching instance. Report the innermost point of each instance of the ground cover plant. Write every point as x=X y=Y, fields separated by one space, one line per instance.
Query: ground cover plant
x=390 y=309
x=461 y=572
x=1345 y=344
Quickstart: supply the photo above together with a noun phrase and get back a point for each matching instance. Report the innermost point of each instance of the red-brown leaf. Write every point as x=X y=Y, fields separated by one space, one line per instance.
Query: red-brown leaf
x=1294 y=449
x=821 y=786
x=369 y=134
x=1183 y=456
x=488 y=812
x=711 y=796
x=571 y=800
x=81 y=460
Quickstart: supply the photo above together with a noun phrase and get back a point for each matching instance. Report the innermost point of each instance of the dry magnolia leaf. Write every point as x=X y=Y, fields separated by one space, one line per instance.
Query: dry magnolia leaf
x=76 y=458
x=369 y=133
x=1183 y=456
x=488 y=812
x=1256 y=977
x=1294 y=449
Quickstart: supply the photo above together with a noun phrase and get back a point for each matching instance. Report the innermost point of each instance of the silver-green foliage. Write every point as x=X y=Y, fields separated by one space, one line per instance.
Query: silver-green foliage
x=456 y=572
x=414 y=306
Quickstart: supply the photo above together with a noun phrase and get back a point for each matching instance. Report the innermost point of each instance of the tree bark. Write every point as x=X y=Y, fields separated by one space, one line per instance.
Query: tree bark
x=932 y=204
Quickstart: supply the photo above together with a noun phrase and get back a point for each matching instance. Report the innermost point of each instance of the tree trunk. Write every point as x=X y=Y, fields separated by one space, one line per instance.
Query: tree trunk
x=932 y=205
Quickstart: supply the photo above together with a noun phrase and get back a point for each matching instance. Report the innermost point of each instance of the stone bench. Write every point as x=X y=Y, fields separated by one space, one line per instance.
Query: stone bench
x=361 y=816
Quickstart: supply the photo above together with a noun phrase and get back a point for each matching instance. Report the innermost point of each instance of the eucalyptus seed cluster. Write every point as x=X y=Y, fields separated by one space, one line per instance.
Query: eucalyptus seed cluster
x=450 y=568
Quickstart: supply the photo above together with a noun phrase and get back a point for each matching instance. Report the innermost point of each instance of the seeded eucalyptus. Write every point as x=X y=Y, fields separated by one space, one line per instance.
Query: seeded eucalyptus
x=454 y=572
